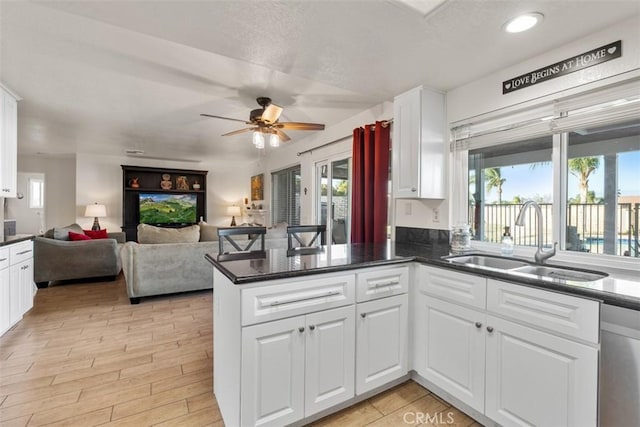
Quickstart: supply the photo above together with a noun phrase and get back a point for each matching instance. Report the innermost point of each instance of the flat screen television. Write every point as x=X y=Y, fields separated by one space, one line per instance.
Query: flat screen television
x=162 y=208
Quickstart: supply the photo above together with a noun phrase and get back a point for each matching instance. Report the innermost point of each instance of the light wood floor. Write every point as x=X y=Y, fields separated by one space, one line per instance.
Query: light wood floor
x=84 y=356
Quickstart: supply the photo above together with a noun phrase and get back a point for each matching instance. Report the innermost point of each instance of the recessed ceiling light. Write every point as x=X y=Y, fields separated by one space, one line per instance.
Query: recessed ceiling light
x=523 y=22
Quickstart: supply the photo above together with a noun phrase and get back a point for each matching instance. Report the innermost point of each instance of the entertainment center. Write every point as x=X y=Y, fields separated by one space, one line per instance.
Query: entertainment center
x=163 y=197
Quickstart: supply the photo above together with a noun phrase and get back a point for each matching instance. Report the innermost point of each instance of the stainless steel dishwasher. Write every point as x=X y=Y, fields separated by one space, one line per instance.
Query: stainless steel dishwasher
x=619 y=367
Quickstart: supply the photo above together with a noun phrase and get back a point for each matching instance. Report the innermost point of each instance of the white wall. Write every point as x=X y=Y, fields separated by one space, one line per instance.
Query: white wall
x=99 y=179
x=485 y=95
x=60 y=186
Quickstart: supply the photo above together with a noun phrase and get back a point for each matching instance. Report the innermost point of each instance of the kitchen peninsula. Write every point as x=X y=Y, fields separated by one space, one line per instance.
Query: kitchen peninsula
x=304 y=334
x=298 y=336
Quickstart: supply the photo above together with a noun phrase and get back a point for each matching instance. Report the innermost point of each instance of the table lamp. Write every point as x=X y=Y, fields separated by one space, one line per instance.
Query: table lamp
x=96 y=211
x=232 y=211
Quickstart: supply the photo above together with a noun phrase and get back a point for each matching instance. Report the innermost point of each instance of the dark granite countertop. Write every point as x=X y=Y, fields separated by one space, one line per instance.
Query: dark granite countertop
x=618 y=289
x=9 y=240
x=272 y=264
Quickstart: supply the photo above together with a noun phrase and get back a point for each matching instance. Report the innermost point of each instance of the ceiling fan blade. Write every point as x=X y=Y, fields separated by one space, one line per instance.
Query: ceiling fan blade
x=236 y=132
x=224 y=118
x=271 y=113
x=283 y=136
x=300 y=126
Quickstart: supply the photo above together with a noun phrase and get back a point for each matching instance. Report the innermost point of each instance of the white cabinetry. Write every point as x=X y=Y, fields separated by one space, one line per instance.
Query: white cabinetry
x=294 y=368
x=418 y=149
x=8 y=144
x=524 y=345
x=382 y=342
x=16 y=283
x=287 y=350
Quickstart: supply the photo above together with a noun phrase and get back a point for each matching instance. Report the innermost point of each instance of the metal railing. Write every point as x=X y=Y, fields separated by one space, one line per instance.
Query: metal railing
x=586 y=224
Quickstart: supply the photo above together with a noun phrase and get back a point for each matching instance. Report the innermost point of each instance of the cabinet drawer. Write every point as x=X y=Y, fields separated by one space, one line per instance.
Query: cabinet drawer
x=568 y=315
x=381 y=283
x=457 y=287
x=4 y=258
x=21 y=251
x=277 y=301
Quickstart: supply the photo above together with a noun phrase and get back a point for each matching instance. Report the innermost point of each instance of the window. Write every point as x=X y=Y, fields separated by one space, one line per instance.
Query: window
x=577 y=157
x=36 y=193
x=285 y=195
x=333 y=207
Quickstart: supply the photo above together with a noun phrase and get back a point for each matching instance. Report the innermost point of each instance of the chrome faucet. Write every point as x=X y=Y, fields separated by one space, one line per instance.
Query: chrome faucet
x=540 y=255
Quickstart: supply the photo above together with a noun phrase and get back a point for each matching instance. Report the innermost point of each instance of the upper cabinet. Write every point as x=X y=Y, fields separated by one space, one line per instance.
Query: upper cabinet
x=418 y=150
x=9 y=140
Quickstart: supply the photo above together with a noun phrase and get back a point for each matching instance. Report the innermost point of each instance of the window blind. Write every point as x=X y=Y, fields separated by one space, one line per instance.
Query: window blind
x=286 y=195
x=600 y=107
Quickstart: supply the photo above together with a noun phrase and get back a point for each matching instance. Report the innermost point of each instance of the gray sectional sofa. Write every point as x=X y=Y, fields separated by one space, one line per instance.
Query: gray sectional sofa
x=164 y=268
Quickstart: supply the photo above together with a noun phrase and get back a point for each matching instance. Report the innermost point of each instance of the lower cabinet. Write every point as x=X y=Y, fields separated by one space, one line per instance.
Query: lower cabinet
x=504 y=359
x=296 y=367
x=454 y=349
x=381 y=342
x=16 y=283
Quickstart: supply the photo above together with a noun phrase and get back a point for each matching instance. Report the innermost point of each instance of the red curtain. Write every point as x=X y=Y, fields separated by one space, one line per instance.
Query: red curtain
x=370 y=180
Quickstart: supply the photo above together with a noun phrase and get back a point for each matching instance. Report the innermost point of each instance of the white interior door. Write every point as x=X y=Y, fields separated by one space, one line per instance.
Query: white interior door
x=333 y=198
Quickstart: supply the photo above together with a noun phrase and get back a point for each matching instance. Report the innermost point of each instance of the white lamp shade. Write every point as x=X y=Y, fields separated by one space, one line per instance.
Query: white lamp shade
x=96 y=211
x=233 y=210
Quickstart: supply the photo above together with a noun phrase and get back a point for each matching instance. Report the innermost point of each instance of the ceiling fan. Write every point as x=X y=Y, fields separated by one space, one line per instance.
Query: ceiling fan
x=265 y=121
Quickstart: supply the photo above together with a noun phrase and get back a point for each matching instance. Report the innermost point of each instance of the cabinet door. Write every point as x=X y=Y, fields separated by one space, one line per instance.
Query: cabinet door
x=330 y=358
x=26 y=285
x=273 y=373
x=381 y=336
x=5 y=301
x=453 y=347
x=535 y=378
x=9 y=145
x=406 y=143
x=15 y=294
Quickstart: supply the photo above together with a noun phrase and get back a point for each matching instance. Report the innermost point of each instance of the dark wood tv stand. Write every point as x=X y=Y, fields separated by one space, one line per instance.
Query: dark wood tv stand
x=149 y=181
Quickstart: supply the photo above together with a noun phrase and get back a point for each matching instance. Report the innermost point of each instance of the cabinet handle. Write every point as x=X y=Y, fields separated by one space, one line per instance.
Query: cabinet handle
x=3 y=259
x=489 y=329
x=312 y=327
x=301 y=329
x=363 y=315
x=414 y=189
x=328 y=294
x=386 y=284
x=24 y=252
x=478 y=325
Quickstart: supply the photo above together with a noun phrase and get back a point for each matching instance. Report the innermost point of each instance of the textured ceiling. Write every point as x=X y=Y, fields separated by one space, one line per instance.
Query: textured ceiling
x=104 y=76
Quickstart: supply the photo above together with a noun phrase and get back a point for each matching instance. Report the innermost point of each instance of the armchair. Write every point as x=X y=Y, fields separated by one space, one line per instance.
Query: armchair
x=63 y=259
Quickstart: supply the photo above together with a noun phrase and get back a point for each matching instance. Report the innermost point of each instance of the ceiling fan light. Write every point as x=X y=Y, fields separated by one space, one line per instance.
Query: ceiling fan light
x=274 y=140
x=258 y=139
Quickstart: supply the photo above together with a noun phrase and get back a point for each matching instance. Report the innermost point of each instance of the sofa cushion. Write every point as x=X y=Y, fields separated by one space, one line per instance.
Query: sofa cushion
x=151 y=234
x=208 y=232
x=97 y=234
x=75 y=237
x=62 y=233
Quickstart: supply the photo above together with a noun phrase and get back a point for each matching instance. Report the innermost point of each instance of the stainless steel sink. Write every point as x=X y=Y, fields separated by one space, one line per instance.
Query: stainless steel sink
x=488 y=261
x=519 y=267
x=561 y=273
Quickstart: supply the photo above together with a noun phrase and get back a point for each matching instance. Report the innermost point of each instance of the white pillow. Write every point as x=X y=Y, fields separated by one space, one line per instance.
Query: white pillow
x=151 y=234
x=208 y=232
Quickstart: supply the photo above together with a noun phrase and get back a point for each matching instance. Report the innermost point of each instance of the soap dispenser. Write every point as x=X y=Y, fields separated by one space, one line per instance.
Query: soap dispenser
x=506 y=248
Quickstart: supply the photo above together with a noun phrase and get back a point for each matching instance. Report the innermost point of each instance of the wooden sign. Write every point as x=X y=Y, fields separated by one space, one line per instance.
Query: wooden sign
x=576 y=63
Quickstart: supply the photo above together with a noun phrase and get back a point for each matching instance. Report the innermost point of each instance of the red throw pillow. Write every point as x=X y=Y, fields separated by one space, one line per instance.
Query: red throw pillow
x=97 y=234
x=78 y=236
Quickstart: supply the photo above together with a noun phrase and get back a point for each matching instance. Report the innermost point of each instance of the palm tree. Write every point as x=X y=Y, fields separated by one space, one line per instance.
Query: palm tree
x=494 y=180
x=581 y=168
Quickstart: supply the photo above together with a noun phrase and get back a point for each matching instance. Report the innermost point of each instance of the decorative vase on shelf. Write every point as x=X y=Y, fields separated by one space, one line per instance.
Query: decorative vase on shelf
x=134 y=183
x=196 y=186
x=166 y=183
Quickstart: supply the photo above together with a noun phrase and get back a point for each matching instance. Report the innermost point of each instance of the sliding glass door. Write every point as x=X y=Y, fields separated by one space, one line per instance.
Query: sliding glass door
x=333 y=198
